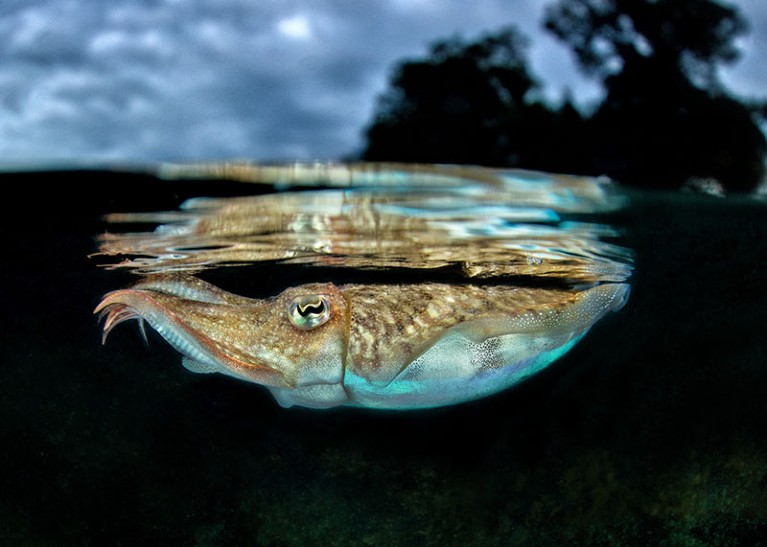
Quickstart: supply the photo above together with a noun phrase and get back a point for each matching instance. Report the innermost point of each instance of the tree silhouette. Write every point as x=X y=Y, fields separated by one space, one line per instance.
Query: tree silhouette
x=666 y=116
x=466 y=103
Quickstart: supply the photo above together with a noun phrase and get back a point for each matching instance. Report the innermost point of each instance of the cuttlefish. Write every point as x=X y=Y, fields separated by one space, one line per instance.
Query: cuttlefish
x=395 y=346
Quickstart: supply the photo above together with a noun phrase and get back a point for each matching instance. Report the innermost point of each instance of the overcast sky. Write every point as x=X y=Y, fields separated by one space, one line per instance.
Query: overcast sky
x=153 y=80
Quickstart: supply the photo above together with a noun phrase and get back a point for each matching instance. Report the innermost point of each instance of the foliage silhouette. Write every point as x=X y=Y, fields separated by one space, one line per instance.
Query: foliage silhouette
x=665 y=119
x=695 y=35
x=468 y=103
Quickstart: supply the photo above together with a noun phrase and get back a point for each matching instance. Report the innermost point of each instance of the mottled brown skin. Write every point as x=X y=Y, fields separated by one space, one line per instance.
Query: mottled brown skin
x=374 y=330
x=392 y=324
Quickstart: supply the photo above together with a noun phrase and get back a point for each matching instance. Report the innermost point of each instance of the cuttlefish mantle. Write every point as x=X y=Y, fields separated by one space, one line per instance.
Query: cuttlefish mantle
x=384 y=346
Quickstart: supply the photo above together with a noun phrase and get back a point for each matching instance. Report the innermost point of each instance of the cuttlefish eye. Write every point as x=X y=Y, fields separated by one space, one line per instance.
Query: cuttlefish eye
x=309 y=312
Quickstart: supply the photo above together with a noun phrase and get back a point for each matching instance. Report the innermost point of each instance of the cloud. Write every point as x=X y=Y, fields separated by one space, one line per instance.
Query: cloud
x=267 y=79
x=747 y=77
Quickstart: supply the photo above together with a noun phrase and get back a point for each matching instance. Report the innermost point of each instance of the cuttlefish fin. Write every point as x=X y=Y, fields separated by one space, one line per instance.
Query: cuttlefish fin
x=199 y=367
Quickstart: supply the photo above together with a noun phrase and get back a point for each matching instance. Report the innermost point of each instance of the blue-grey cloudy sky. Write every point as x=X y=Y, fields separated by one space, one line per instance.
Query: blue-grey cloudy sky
x=262 y=79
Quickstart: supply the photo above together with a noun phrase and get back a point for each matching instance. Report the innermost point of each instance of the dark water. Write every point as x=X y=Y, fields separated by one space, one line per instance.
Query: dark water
x=652 y=430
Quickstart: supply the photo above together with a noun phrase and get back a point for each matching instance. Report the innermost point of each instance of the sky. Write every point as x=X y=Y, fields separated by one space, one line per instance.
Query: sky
x=180 y=80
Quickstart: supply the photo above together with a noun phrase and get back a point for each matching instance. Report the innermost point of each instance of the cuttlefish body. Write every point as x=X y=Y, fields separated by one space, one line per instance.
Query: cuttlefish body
x=385 y=346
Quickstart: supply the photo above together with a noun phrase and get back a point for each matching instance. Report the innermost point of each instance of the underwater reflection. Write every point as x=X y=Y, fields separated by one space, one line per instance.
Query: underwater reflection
x=532 y=272
x=487 y=222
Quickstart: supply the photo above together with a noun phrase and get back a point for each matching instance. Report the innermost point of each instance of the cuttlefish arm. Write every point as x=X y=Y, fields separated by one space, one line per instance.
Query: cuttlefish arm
x=385 y=346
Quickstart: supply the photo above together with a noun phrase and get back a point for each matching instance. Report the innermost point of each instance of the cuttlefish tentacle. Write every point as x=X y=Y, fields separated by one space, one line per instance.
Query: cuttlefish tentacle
x=385 y=346
x=113 y=315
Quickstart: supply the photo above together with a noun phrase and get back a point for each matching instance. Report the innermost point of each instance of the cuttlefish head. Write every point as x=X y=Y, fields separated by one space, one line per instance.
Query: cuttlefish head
x=293 y=340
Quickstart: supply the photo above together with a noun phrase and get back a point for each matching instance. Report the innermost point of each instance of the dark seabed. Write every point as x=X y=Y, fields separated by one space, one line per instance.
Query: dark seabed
x=651 y=431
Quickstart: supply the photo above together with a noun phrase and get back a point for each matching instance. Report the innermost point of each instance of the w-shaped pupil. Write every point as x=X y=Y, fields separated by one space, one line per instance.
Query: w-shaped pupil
x=311 y=309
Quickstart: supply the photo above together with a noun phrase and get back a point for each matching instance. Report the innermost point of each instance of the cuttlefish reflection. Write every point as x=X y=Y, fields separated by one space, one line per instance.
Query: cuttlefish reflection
x=383 y=346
